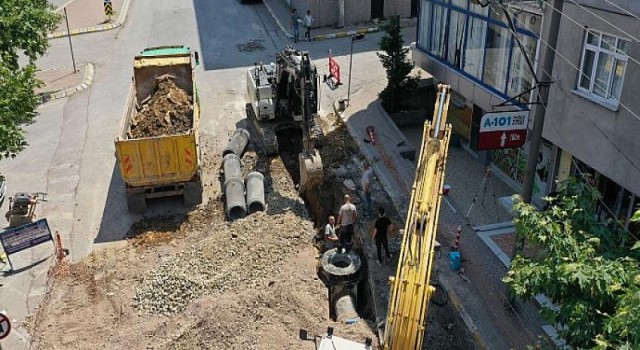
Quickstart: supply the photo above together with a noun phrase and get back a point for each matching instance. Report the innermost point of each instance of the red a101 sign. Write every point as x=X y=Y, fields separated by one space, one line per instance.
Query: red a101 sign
x=500 y=130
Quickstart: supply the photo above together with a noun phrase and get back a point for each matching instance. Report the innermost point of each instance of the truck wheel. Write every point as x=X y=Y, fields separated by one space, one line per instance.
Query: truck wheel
x=192 y=195
x=136 y=203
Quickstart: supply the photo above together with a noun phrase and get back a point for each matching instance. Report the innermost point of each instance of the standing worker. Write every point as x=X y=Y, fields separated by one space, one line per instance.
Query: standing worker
x=347 y=217
x=307 y=22
x=380 y=230
x=367 y=182
x=295 y=25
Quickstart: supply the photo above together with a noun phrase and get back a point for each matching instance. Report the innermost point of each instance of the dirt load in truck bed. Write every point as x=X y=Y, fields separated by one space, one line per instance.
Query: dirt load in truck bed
x=169 y=111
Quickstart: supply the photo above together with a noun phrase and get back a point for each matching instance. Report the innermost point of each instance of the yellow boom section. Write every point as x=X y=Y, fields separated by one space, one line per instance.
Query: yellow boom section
x=410 y=288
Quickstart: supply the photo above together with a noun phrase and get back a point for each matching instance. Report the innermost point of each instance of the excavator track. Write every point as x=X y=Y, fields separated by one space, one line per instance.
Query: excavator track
x=266 y=132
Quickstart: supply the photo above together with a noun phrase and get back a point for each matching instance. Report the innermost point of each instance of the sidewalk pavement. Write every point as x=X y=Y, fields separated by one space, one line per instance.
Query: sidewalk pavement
x=88 y=17
x=62 y=82
x=478 y=295
x=281 y=13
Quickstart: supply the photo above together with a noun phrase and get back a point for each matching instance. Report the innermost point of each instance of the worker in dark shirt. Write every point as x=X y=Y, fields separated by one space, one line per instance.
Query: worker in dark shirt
x=380 y=230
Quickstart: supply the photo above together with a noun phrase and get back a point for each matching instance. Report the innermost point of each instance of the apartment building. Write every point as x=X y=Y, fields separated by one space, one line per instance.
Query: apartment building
x=592 y=118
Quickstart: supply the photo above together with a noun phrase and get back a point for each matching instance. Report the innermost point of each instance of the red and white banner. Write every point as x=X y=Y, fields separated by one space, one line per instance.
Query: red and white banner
x=334 y=69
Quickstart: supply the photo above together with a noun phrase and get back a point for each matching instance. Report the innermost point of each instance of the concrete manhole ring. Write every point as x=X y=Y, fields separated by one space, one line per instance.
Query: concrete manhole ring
x=339 y=265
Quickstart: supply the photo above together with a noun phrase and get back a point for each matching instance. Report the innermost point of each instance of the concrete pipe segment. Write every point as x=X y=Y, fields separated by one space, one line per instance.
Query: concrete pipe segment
x=238 y=142
x=236 y=206
x=340 y=268
x=231 y=167
x=255 y=192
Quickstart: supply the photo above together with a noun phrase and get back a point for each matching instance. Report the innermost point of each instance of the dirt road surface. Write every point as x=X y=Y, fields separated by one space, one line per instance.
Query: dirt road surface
x=202 y=282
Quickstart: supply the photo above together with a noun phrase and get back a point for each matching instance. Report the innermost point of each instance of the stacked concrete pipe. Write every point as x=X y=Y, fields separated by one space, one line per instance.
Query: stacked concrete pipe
x=238 y=143
x=255 y=192
x=236 y=206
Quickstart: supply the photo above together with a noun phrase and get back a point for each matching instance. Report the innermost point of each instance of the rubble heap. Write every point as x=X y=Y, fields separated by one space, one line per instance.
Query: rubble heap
x=239 y=254
x=169 y=111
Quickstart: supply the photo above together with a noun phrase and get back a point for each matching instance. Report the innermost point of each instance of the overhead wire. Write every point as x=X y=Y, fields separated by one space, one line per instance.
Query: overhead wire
x=576 y=67
x=623 y=10
x=604 y=20
x=583 y=27
x=575 y=164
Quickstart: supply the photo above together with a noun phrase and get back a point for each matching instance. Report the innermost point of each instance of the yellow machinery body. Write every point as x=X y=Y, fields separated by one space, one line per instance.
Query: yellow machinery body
x=165 y=165
x=410 y=288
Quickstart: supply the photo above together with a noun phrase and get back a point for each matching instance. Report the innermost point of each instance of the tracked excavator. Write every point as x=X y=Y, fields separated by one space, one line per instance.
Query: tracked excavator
x=411 y=289
x=283 y=95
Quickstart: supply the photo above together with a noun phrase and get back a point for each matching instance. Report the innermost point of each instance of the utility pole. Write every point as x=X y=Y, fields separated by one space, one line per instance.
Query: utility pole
x=340 y=13
x=354 y=38
x=550 y=28
x=73 y=59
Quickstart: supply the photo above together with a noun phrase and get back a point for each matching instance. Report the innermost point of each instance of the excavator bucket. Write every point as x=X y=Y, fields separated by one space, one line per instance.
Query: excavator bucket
x=311 y=171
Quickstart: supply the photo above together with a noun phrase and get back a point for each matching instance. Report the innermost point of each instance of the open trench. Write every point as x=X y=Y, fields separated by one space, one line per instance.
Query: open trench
x=321 y=202
x=444 y=326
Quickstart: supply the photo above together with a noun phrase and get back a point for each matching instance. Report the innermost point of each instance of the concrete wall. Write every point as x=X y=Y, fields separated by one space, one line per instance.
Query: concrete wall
x=604 y=139
x=325 y=12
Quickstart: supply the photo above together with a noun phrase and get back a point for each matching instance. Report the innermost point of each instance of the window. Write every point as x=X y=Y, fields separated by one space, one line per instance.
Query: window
x=438 y=29
x=604 y=60
x=497 y=47
x=455 y=38
x=425 y=17
x=474 y=50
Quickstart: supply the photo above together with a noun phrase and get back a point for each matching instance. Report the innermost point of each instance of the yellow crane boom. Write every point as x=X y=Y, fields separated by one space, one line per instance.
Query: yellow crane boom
x=410 y=288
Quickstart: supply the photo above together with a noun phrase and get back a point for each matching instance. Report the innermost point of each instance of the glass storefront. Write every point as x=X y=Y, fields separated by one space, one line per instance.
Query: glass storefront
x=477 y=42
x=512 y=162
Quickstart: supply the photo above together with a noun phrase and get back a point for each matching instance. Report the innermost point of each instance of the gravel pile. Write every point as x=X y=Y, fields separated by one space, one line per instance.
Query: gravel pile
x=238 y=254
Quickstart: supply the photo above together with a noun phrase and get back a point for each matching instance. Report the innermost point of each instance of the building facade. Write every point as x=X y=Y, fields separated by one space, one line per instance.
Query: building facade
x=592 y=116
x=327 y=12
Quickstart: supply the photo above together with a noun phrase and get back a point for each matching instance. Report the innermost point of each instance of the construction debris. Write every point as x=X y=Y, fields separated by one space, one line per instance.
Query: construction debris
x=169 y=111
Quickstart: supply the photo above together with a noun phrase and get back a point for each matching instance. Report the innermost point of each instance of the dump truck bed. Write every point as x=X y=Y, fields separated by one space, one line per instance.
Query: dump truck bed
x=166 y=159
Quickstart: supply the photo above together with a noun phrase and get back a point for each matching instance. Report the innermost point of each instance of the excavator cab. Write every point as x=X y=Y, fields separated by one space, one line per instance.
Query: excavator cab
x=285 y=94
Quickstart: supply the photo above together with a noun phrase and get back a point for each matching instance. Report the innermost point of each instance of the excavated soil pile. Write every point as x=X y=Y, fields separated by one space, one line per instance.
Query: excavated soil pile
x=168 y=112
x=198 y=281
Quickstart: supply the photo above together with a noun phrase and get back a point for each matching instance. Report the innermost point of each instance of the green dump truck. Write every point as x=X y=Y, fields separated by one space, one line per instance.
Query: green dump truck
x=157 y=147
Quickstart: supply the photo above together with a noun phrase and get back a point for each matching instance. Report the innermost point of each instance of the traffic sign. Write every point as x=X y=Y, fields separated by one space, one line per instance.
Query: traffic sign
x=5 y=326
x=503 y=130
x=501 y=139
x=108 y=8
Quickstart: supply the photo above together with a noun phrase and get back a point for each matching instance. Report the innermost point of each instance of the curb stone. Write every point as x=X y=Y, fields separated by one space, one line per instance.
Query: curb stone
x=86 y=82
x=342 y=34
x=478 y=341
x=101 y=28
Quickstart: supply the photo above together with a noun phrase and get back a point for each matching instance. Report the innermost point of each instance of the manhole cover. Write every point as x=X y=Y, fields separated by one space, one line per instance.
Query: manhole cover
x=251 y=45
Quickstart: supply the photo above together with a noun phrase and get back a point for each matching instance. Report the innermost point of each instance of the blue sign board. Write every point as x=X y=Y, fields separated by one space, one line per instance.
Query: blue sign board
x=23 y=237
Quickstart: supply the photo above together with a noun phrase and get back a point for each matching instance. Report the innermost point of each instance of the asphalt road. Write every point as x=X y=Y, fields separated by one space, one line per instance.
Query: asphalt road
x=71 y=153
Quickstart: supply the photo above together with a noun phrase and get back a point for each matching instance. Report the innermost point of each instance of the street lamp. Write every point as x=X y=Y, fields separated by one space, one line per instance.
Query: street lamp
x=357 y=37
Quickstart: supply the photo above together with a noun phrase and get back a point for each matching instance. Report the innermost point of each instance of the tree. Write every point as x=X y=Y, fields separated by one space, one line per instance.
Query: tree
x=24 y=25
x=395 y=62
x=586 y=266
